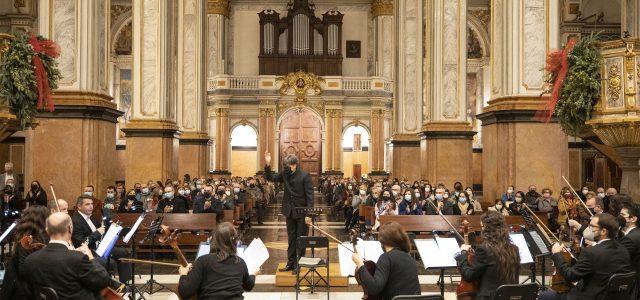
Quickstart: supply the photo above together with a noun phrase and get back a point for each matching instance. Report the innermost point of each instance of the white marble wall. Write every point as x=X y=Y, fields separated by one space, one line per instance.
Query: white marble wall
x=385 y=42
x=631 y=17
x=191 y=64
x=408 y=102
x=80 y=28
x=216 y=42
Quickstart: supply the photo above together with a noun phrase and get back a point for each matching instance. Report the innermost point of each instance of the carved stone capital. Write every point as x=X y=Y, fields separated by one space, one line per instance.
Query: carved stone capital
x=334 y=113
x=382 y=8
x=267 y=112
x=218 y=7
x=221 y=112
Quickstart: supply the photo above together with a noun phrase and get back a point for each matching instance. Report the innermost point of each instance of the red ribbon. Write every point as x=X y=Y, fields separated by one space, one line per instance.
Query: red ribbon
x=558 y=63
x=49 y=48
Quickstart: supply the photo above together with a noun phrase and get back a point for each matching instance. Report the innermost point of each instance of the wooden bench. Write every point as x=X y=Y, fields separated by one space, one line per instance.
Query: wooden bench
x=430 y=223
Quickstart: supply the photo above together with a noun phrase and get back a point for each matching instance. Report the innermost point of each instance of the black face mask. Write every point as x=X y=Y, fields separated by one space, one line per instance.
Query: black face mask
x=386 y=198
x=34 y=187
x=252 y=185
x=207 y=194
x=593 y=211
x=287 y=170
x=220 y=192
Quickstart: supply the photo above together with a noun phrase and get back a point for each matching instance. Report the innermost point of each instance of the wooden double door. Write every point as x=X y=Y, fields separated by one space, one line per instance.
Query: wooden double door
x=301 y=134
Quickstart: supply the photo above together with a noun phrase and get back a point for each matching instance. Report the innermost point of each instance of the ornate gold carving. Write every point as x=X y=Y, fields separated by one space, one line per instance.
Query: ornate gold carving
x=614 y=84
x=218 y=7
x=377 y=113
x=266 y=112
x=19 y=4
x=299 y=84
x=334 y=113
x=221 y=112
x=382 y=8
x=317 y=106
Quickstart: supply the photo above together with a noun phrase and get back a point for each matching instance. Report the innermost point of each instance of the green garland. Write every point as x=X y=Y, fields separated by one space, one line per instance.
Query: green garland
x=581 y=88
x=18 y=81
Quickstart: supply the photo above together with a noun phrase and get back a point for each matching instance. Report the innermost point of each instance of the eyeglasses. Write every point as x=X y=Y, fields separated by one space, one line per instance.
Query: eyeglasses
x=594 y=226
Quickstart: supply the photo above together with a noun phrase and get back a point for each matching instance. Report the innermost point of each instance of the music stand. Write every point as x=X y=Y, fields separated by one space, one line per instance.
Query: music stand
x=154 y=228
x=538 y=249
x=313 y=213
x=130 y=236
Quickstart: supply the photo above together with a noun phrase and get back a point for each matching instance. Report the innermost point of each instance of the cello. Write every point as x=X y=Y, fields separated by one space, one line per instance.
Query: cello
x=170 y=238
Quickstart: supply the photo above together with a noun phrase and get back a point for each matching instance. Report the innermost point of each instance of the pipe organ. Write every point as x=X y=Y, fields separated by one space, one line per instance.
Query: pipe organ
x=300 y=41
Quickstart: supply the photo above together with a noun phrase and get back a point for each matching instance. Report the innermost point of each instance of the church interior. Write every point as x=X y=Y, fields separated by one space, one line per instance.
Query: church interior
x=457 y=95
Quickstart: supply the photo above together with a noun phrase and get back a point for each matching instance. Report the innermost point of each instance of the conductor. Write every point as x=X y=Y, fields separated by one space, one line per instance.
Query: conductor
x=298 y=192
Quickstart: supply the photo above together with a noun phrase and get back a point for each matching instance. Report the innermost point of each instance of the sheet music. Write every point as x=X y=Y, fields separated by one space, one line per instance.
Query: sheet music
x=369 y=250
x=133 y=230
x=203 y=249
x=6 y=232
x=255 y=255
x=523 y=249
x=438 y=252
x=109 y=240
x=539 y=242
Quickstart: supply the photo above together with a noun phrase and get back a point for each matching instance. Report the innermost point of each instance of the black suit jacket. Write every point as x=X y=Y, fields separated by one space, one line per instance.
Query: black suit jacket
x=631 y=241
x=82 y=231
x=484 y=269
x=298 y=190
x=594 y=267
x=70 y=273
x=396 y=274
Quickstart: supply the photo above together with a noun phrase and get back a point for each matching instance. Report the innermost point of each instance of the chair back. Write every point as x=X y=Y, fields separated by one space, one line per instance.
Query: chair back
x=45 y=293
x=418 y=297
x=527 y=291
x=621 y=286
x=313 y=242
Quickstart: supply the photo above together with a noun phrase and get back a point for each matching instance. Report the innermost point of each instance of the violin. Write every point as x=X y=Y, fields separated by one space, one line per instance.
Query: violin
x=467 y=290
x=27 y=243
x=170 y=238
x=370 y=266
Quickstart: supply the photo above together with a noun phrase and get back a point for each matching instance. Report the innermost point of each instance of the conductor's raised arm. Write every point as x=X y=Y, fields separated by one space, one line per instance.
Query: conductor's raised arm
x=268 y=174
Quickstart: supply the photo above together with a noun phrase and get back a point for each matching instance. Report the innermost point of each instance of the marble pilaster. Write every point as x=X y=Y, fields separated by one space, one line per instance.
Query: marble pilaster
x=217 y=24
x=266 y=130
x=384 y=30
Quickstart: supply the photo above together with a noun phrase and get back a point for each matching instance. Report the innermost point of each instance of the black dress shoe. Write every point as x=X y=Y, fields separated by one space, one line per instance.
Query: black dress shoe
x=287 y=269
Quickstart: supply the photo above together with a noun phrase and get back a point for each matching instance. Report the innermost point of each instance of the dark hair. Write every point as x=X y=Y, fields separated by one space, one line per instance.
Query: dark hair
x=223 y=241
x=615 y=203
x=610 y=223
x=81 y=199
x=495 y=237
x=392 y=234
x=33 y=222
x=633 y=210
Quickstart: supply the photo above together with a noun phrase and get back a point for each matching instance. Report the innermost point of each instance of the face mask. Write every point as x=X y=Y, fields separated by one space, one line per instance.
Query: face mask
x=186 y=192
x=592 y=210
x=220 y=192
x=228 y=193
x=131 y=197
x=417 y=195
x=167 y=195
x=446 y=196
x=428 y=188
x=207 y=194
x=584 y=192
x=236 y=190
x=181 y=192
x=89 y=194
x=137 y=190
x=287 y=170
x=34 y=187
x=350 y=187
x=601 y=195
x=439 y=197
x=518 y=199
x=145 y=190
x=588 y=234
x=252 y=185
x=499 y=206
x=407 y=197
x=363 y=192
x=462 y=200
x=386 y=198
x=111 y=195
x=394 y=193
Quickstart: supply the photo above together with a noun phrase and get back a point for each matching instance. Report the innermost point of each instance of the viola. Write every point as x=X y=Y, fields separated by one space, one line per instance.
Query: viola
x=467 y=290
x=368 y=265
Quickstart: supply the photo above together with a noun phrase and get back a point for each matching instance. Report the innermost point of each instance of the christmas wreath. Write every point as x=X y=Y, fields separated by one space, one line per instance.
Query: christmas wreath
x=28 y=73
x=574 y=83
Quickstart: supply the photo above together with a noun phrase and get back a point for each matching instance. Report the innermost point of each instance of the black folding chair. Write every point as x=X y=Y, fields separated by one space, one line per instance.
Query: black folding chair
x=418 y=297
x=45 y=293
x=621 y=286
x=312 y=263
x=527 y=291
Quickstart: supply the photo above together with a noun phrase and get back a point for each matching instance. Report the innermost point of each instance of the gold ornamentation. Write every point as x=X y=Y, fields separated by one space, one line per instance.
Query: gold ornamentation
x=382 y=8
x=266 y=112
x=19 y=4
x=334 y=113
x=377 y=113
x=299 y=84
x=221 y=112
x=317 y=106
x=117 y=10
x=615 y=84
x=218 y=7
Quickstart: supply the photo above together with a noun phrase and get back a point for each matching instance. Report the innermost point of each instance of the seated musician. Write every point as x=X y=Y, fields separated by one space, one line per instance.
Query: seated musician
x=595 y=264
x=88 y=230
x=496 y=260
x=221 y=274
x=73 y=274
x=32 y=223
x=62 y=204
x=170 y=203
x=396 y=271
x=630 y=212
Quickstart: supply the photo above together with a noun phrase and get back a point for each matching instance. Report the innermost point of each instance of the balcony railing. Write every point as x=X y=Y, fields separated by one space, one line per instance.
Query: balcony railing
x=267 y=82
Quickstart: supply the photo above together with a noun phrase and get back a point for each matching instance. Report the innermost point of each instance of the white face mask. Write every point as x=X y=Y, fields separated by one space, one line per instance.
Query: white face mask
x=407 y=197
x=363 y=192
x=417 y=195
x=394 y=193
x=588 y=234
x=89 y=194
x=228 y=193
x=499 y=207
x=236 y=190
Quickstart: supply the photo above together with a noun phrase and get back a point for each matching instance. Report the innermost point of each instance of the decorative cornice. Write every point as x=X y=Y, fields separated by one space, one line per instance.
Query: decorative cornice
x=151 y=128
x=447 y=130
x=218 y=7
x=405 y=139
x=83 y=105
x=382 y=8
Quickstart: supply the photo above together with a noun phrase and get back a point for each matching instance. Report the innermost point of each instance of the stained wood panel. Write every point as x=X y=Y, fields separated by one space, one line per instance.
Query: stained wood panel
x=301 y=134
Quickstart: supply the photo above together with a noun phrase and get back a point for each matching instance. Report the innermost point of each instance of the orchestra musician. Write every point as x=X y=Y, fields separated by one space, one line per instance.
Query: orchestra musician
x=298 y=192
x=595 y=265
x=62 y=205
x=396 y=271
x=73 y=274
x=496 y=260
x=630 y=212
x=31 y=224
x=86 y=229
x=221 y=274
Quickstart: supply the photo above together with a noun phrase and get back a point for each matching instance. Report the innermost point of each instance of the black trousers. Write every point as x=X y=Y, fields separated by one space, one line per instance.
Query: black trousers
x=124 y=269
x=295 y=228
x=261 y=210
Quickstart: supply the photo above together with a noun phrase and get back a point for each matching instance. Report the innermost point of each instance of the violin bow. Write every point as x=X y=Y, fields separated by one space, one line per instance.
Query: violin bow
x=55 y=199
x=577 y=196
x=551 y=232
x=455 y=231
x=331 y=237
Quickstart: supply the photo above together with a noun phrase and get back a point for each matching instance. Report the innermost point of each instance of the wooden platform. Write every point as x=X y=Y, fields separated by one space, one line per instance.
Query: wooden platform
x=285 y=279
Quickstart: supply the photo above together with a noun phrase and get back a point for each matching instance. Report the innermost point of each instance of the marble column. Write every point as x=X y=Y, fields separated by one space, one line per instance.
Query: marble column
x=383 y=24
x=630 y=18
x=333 y=123
x=523 y=32
x=217 y=36
x=407 y=119
x=222 y=140
x=377 y=145
x=152 y=133
x=75 y=145
x=193 y=153
x=446 y=145
x=266 y=130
